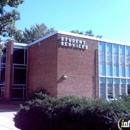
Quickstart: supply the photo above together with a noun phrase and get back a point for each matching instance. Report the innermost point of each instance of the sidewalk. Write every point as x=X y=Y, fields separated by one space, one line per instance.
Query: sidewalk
x=6 y=120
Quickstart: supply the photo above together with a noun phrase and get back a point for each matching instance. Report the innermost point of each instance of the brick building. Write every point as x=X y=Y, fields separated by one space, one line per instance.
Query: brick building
x=65 y=64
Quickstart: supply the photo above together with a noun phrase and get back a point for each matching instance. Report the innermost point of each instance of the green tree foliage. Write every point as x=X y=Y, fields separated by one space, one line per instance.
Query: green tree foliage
x=77 y=32
x=87 y=33
x=1 y=48
x=71 y=113
x=32 y=95
x=34 y=33
x=8 y=18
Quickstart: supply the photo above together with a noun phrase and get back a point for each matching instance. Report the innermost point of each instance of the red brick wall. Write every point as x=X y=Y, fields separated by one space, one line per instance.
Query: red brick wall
x=42 y=65
x=48 y=62
x=80 y=67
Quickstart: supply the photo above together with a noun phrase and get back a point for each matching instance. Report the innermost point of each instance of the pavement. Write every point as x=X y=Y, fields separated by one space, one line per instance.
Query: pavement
x=6 y=120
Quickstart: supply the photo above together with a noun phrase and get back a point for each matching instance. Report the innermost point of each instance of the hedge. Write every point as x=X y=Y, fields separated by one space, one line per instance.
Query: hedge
x=71 y=113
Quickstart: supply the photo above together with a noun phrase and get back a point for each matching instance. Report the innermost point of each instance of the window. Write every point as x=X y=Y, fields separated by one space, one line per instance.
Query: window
x=2 y=91
x=115 y=60
x=2 y=75
x=18 y=56
x=17 y=93
x=123 y=86
x=116 y=88
x=122 y=60
x=114 y=70
x=128 y=86
x=102 y=88
x=19 y=76
x=102 y=58
x=128 y=89
x=109 y=88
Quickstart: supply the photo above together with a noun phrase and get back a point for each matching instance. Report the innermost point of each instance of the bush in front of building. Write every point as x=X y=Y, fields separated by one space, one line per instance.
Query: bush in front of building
x=32 y=95
x=71 y=113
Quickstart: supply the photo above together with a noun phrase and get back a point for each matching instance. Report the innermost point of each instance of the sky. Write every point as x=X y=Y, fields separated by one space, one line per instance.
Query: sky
x=109 y=18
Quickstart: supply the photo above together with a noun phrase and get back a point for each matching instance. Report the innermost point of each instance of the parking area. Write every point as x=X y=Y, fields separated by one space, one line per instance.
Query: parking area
x=6 y=120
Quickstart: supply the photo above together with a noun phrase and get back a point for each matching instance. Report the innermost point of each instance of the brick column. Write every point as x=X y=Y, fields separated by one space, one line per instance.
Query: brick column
x=9 y=68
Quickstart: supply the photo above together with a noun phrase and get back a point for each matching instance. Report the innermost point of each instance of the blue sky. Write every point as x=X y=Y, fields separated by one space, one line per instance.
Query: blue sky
x=110 y=18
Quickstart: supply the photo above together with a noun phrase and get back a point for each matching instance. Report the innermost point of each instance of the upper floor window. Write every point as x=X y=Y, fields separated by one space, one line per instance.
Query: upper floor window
x=20 y=56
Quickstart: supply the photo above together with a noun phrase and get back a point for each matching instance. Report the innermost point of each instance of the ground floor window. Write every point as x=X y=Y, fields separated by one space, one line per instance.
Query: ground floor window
x=128 y=89
x=19 y=85
x=19 y=93
x=2 y=91
x=2 y=80
x=113 y=87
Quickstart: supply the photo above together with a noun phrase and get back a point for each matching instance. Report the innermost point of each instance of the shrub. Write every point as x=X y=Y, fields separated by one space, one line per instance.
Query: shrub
x=70 y=113
x=32 y=95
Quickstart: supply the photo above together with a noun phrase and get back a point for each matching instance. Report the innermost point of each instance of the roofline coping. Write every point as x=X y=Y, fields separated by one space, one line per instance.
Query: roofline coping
x=79 y=35
x=16 y=44
x=43 y=38
x=20 y=44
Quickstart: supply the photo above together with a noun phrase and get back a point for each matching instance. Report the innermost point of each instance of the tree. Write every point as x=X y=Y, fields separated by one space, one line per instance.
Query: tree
x=8 y=18
x=1 y=48
x=99 y=36
x=77 y=32
x=87 y=33
x=34 y=33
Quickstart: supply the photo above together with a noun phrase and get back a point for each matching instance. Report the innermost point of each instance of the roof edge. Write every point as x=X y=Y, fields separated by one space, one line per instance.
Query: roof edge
x=43 y=38
x=81 y=36
x=93 y=38
x=20 y=44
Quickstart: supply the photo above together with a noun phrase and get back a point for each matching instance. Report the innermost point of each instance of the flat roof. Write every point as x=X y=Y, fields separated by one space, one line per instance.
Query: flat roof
x=15 y=43
x=81 y=36
x=20 y=44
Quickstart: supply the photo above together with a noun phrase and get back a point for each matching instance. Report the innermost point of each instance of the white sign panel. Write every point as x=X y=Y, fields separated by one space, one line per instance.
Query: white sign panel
x=73 y=43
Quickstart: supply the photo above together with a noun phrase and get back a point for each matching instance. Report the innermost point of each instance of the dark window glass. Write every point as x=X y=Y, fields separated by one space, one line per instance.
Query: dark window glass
x=128 y=87
x=19 y=76
x=3 y=65
x=20 y=66
x=110 y=91
x=24 y=93
x=19 y=86
x=2 y=76
x=123 y=89
x=17 y=93
x=25 y=56
x=18 y=56
x=3 y=58
x=102 y=88
x=2 y=91
x=117 y=89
